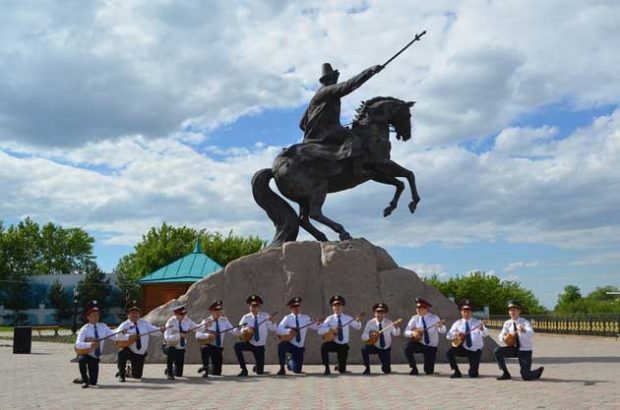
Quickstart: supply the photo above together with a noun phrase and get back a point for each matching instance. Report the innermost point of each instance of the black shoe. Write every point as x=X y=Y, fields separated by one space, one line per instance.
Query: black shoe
x=456 y=375
x=281 y=372
x=413 y=372
x=201 y=369
x=473 y=375
x=122 y=379
x=166 y=371
x=366 y=371
x=326 y=372
x=170 y=377
x=504 y=376
x=539 y=373
x=78 y=381
x=85 y=385
x=204 y=376
x=243 y=373
x=117 y=374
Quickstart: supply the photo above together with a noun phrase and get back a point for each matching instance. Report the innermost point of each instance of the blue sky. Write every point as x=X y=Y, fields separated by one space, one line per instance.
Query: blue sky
x=117 y=116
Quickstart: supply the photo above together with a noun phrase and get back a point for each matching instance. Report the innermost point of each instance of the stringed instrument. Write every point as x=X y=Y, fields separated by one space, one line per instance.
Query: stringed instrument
x=87 y=350
x=177 y=340
x=460 y=337
x=211 y=335
x=374 y=335
x=418 y=333
x=248 y=332
x=510 y=339
x=293 y=333
x=333 y=332
x=121 y=344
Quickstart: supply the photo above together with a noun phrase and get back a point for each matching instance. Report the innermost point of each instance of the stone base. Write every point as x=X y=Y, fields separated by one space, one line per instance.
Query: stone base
x=356 y=269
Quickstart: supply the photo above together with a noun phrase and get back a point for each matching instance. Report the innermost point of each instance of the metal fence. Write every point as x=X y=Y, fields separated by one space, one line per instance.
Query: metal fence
x=594 y=325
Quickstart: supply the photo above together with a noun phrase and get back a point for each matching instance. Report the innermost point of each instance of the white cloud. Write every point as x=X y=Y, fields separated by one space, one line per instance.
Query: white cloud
x=428 y=269
x=520 y=265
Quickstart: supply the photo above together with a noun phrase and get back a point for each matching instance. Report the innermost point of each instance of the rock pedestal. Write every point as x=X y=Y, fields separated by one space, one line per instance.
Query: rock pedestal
x=356 y=269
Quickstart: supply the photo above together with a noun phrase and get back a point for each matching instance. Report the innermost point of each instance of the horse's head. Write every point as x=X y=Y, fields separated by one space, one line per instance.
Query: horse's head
x=386 y=110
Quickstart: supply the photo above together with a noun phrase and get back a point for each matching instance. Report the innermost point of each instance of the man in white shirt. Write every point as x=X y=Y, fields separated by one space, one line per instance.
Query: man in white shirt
x=383 y=345
x=175 y=339
x=256 y=324
x=423 y=333
x=518 y=333
x=89 y=337
x=137 y=330
x=335 y=331
x=471 y=332
x=213 y=330
x=294 y=326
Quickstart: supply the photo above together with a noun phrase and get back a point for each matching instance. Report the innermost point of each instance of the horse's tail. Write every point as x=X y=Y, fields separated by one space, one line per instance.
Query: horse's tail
x=281 y=213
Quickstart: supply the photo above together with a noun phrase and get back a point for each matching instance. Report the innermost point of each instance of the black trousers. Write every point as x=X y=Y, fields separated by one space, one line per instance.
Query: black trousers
x=259 y=355
x=472 y=356
x=429 y=353
x=341 y=350
x=385 y=355
x=137 y=363
x=175 y=360
x=297 y=355
x=524 y=356
x=89 y=369
x=214 y=354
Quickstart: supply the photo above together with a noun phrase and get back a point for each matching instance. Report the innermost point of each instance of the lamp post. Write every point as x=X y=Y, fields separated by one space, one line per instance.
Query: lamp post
x=76 y=294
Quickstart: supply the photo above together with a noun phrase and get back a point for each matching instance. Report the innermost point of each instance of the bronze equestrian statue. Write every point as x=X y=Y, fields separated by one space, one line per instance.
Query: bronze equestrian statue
x=334 y=158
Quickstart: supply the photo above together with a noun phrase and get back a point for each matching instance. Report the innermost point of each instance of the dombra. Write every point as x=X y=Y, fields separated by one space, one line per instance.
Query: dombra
x=510 y=339
x=460 y=338
x=418 y=333
x=333 y=332
x=248 y=332
x=206 y=340
x=375 y=334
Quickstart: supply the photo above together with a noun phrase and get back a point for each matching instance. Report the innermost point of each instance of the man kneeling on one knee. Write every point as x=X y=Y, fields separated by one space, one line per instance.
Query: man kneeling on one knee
x=380 y=330
x=516 y=339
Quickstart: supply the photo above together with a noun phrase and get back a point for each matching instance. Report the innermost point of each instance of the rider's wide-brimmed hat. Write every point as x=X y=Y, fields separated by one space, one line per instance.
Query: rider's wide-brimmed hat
x=328 y=72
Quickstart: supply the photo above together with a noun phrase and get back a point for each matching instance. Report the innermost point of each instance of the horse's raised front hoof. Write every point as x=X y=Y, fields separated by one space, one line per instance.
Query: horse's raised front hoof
x=388 y=211
x=344 y=236
x=412 y=206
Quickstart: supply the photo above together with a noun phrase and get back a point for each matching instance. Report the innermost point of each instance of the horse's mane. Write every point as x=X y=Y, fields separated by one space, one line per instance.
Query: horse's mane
x=364 y=108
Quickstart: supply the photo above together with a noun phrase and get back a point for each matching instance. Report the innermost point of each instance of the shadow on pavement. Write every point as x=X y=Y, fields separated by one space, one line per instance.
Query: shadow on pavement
x=585 y=359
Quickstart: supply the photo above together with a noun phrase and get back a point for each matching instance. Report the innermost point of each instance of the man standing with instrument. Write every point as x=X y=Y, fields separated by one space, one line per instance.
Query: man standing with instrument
x=253 y=335
x=134 y=342
x=89 y=345
x=467 y=336
x=378 y=337
x=335 y=331
x=516 y=337
x=211 y=339
x=175 y=339
x=292 y=333
x=423 y=331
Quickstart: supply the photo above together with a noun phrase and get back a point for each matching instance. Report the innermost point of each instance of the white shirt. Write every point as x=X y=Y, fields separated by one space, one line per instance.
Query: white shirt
x=288 y=322
x=172 y=332
x=222 y=322
x=144 y=327
x=433 y=333
x=266 y=325
x=88 y=330
x=476 y=335
x=332 y=322
x=373 y=324
x=526 y=341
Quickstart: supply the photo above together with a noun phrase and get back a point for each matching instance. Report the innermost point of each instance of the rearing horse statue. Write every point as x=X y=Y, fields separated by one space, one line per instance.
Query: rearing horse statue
x=306 y=179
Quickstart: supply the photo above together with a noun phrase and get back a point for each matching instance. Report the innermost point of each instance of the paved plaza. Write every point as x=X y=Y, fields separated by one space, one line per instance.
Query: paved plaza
x=580 y=372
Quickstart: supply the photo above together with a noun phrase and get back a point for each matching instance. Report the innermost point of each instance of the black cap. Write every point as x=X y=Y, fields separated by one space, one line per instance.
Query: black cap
x=466 y=304
x=419 y=302
x=514 y=303
x=327 y=72
x=132 y=305
x=296 y=301
x=381 y=307
x=254 y=300
x=91 y=306
x=179 y=308
x=217 y=305
x=337 y=299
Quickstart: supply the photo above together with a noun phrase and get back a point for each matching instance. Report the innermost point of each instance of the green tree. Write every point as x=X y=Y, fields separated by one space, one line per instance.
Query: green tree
x=596 y=302
x=95 y=286
x=163 y=245
x=487 y=290
x=59 y=301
